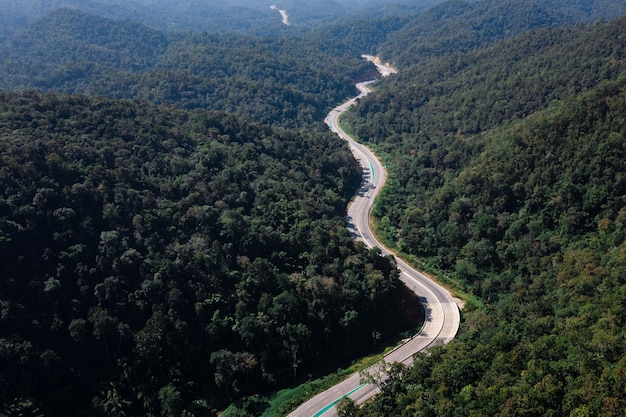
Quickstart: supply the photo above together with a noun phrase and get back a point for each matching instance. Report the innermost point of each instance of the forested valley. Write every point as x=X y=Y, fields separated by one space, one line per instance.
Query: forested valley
x=164 y=261
x=172 y=209
x=250 y=17
x=285 y=82
x=507 y=176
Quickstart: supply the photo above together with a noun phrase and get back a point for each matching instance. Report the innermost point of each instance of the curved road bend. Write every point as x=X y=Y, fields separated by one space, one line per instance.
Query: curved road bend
x=442 y=312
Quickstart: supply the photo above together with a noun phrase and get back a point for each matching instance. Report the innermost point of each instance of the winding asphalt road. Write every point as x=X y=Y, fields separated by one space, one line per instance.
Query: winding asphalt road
x=442 y=312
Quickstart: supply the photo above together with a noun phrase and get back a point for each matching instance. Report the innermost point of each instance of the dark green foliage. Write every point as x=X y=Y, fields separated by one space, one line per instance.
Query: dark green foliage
x=461 y=26
x=180 y=16
x=431 y=127
x=162 y=261
x=286 y=81
x=166 y=262
x=404 y=34
x=252 y=17
x=347 y=408
x=525 y=206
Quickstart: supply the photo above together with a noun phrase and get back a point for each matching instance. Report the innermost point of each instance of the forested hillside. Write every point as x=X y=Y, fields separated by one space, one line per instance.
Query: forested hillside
x=405 y=35
x=542 y=210
x=252 y=17
x=215 y=16
x=173 y=238
x=461 y=26
x=427 y=118
x=159 y=261
x=507 y=175
x=287 y=81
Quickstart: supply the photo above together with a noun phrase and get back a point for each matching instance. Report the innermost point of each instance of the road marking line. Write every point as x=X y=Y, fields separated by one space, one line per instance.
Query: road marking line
x=329 y=406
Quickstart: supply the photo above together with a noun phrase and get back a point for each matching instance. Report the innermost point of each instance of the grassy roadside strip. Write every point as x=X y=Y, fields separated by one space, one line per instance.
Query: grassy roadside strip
x=284 y=401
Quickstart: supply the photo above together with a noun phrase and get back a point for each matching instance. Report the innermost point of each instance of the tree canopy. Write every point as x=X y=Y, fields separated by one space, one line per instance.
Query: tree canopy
x=162 y=261
x=506 y=174
x=162 y=254
x=288 y=81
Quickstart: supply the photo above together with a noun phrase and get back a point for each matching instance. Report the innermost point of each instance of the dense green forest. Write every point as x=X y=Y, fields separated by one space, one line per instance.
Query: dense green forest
x=461 y=26
x=165 y=262
x=234 y=16
x=405 y=38
x=542 y=210
x=286 y=82
x=252 y=17
x=172 y=230
x=507 y=175
x=427 y=119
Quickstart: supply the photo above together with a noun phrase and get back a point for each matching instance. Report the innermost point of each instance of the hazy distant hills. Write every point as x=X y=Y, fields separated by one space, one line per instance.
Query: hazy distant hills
x=277 y=79
x=272 y=80
x=247 y=16
x=406 y=36
x=460 y=26
x=185 y=15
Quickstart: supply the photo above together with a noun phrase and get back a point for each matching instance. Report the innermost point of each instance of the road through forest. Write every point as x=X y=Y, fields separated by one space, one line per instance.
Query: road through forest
x=442 y=312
